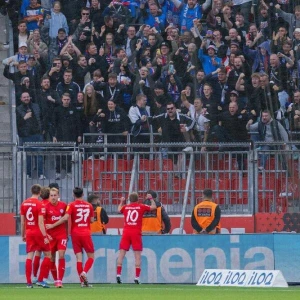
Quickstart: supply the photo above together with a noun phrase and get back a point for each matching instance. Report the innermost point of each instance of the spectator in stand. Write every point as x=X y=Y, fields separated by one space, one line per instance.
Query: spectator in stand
x=21 y=35
x=138 y=115
x=91 y=106
x=100 y=216
x=210 y=62
x=172 y=126
x=232 y=128
x=112 y=90
x=190 y=11
x=293 y=19
x=83 y=33
x=278 y=80
x=96 y=61
x=29 y=126
x=206 y=215
x=55 y=73
x=158 y=221
x=66 y=128
x=118 y=12
x=211 y=105
x=96 y=13
x=17 y=77
x=174 y=88
x=160 y=95
x=71 y=10
x=34 y=43
x=82 y=71
x=127 y=40
x=293 y=114
x=55 y=20
x=154 y=17
x=33 y=15
x=27 y=86
x=113 y=120
x=259 y=56
x=70 y=49
x=278 y=39
x=13 y=61
x=201 y=129
x=269 y=130
x=240 y=66
x=67 y=85
x=48 y=99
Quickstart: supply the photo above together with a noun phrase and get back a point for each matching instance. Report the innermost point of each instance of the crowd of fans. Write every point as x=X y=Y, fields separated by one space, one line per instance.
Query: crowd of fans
x=193 y=70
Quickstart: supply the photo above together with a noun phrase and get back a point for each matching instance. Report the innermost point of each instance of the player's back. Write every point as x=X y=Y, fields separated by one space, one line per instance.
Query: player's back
x=31 y=208
x=133 y=215
x=81 y=213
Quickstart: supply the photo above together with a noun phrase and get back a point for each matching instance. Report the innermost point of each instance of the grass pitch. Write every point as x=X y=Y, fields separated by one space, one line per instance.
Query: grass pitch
x=145 y=292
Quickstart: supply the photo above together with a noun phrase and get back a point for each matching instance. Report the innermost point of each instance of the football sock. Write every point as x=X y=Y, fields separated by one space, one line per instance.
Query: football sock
x=79 y=267
x=137 y=272
x=61 y=268
x=119 y=270
x=88 y=264
x=36 y=265
x=28 y=270
x=45 y=267
x=53 y=270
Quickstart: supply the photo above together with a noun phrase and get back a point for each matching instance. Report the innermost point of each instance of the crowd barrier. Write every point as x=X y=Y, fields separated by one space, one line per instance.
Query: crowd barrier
x=230 y=170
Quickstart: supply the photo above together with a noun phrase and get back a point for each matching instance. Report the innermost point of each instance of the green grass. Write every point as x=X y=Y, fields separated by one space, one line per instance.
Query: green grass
x=145 y=292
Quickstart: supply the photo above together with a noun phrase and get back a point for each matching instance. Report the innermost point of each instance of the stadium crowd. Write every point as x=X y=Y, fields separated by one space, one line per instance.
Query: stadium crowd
x=192 y=70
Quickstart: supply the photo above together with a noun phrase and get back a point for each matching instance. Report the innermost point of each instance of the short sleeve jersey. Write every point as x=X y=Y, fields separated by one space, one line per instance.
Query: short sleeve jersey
x=81 y=213
x=31 y=209
x=133 y=215
x=52 y=215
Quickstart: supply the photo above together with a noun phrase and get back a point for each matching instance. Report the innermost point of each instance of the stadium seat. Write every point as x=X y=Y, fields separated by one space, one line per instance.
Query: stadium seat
x=121 y=165
x=143 y=164
x=92 y=169
x=104 y=183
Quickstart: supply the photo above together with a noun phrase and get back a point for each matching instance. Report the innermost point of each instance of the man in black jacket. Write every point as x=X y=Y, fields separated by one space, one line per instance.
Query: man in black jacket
x=48 y=99
x=29 y=125
x=66 y=127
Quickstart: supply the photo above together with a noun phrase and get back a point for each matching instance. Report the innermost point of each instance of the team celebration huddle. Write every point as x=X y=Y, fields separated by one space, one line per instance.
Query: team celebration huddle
x=45 y=229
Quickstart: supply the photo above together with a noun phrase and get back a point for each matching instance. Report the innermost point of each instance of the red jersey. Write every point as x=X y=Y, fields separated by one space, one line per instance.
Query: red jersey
x=31 y=209
x=81 y=213
x=52 y=215
x=44 y=201
x=133 y=215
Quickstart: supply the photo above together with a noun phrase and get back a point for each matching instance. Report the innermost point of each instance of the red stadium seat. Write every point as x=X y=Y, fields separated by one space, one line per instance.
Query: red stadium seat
x=92 y=169
x=104 y=183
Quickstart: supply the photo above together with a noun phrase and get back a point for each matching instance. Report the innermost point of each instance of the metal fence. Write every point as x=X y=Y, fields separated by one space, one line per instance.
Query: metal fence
x=231 y=170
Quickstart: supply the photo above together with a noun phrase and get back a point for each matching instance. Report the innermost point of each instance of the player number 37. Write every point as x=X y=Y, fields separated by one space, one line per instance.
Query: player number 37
x=82 y=214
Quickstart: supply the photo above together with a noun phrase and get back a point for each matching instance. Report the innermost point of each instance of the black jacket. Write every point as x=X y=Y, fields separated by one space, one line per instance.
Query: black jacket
x=66 y=124
x=32 y=125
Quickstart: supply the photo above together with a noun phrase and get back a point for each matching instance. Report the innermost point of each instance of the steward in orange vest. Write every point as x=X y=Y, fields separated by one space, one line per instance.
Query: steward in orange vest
x=156 y=221
x=206 y=215
x=100 y=216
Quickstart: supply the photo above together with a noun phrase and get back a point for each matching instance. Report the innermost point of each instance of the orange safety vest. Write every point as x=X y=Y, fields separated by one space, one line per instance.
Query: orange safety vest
x=152 y=222
x=204 y=213
x=97 y=225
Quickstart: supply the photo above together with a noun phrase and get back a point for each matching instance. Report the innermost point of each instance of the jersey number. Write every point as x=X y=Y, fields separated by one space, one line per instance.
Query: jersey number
x=132 y=216
x=29 y=214
x=82 y=214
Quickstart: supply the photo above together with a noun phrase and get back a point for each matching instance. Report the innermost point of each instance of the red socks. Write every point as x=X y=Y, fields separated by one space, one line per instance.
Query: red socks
x=88 y=264
x=36 y=265
x=28 y=270
x=119 y=270
x=53 y=270
x=61 y=268
x=137 y=272
x=79 y=267
x=45 y=267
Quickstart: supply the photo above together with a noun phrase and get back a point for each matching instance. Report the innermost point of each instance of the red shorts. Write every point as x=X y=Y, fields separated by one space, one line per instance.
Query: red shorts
x=82 y=242
x=133 y=238
x=36 y=243
x=57 y=244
